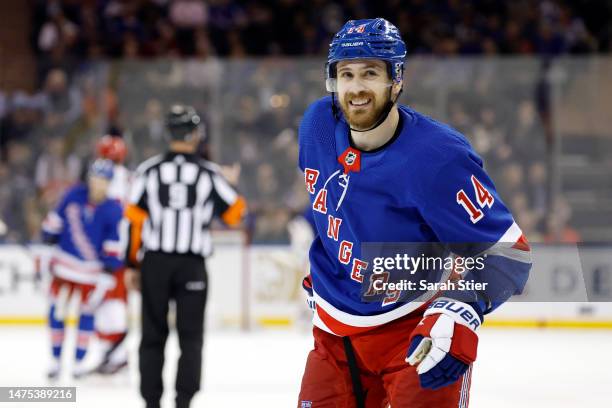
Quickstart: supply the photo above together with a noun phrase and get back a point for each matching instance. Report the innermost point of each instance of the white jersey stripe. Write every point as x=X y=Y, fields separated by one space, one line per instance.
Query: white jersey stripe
x=504 y=247
x=316 y=320
x=206 y=243
x=184 y=231
x=168 y=172
x=508 y=252
x=168 y=229
x=204 y=215
x=69 y=267
x=189 y=173
x=155 y=211
x=226 y=193
x=512 y=234
x=207 y=213
x=79 y=237
x=203 y=189
x=375 y=320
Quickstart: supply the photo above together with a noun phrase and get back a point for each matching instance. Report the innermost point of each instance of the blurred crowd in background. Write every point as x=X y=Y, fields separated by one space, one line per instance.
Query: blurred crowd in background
x=87 y=29
x=99 y=71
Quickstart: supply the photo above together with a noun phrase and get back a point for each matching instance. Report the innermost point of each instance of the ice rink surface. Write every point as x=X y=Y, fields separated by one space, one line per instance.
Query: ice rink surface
x=515 y=368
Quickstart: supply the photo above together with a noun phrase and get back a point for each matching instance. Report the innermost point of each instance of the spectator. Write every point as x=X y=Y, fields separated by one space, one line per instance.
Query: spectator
x=18 y=204
x=150 y=131
x=56 y=170
x=188 y=14
x=527 y=135
x=536 y=188
x=62 y=103
x=21 y=121
x=237 y=28
x=487 y=133
x=557 y=223
x=58 y=31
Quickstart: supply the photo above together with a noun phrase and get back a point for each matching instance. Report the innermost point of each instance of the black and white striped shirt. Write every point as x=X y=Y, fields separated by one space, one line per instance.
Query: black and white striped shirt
x=172 y=202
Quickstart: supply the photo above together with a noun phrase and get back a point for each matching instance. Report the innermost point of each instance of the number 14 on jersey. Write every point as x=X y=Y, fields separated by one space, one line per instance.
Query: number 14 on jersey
x=483 y=198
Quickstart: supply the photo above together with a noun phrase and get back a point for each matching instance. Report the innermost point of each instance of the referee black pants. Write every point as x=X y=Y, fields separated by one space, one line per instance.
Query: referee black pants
x=182 y=278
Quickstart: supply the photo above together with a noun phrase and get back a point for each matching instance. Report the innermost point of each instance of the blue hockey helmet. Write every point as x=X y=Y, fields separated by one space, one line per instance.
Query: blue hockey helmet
x=366 y=39
x=102 y=168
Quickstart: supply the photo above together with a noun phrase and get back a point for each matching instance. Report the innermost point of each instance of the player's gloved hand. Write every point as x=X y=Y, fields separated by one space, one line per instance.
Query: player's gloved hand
x=444 y=343
x=104 y=283
x=307 y=285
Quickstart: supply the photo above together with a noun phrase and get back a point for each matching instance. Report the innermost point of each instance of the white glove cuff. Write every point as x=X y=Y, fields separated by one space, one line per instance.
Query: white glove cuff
x=460 y=312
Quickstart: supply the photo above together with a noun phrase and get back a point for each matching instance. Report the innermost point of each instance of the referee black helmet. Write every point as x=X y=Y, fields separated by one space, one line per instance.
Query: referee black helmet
x=181 y=121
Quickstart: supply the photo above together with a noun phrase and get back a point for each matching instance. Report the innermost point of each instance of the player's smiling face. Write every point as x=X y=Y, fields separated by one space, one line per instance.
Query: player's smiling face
x=363 y=90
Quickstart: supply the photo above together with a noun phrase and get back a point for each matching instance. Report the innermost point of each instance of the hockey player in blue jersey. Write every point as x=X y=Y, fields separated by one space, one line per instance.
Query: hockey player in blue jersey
x=377 y=171
x=84 y=231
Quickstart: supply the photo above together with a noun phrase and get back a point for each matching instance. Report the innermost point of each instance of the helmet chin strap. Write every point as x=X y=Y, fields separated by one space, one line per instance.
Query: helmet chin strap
x=383 y=116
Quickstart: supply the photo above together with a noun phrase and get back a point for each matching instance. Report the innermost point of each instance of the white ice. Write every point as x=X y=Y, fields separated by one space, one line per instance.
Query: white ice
x=515 y=368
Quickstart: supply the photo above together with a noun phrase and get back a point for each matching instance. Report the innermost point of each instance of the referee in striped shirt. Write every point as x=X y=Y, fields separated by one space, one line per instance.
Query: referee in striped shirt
x=173 y=200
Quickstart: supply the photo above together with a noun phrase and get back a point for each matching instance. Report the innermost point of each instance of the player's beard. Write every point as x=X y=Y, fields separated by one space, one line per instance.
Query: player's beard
x=362 y=118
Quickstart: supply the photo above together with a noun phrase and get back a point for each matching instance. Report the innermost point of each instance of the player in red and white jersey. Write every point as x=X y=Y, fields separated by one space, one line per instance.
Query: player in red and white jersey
x=114 y=148
x=112 y=314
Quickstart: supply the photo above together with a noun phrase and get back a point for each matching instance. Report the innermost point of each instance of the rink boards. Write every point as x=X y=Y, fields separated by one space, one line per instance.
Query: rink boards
x=260 y=286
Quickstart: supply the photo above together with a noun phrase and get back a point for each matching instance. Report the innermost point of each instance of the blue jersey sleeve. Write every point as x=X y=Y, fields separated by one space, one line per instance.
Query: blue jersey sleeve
x=111 y=249
x=53 y=224
x=461 y=204
x=316 y=129
x=464 y=210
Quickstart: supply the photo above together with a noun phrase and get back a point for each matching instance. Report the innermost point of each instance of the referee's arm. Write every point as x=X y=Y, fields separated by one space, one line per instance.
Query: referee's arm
x=136 y=212
x=230 y=207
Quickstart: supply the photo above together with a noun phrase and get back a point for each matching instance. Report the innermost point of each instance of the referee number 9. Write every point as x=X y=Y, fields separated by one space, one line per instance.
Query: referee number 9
x=177 y=193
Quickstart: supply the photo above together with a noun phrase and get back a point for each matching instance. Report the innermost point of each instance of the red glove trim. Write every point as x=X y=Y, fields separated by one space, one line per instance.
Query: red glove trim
x=464 y=344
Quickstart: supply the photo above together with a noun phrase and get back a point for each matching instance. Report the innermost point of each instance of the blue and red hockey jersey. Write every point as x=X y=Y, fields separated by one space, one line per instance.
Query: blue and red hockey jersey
x=425 y=185
x=87 y=236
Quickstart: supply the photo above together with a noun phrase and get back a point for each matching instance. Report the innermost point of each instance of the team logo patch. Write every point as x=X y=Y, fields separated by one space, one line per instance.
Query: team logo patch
x=306 y=404
x=350 y=158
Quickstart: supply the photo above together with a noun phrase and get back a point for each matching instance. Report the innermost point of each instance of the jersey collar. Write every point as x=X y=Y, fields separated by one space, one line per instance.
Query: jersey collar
x=351 y=158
